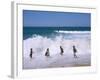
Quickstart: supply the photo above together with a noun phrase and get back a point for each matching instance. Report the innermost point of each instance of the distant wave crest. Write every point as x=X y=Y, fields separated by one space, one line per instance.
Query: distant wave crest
x=62 y=31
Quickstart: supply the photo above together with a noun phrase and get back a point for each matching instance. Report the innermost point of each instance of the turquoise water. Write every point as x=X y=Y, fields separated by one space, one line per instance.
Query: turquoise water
x=50 y=31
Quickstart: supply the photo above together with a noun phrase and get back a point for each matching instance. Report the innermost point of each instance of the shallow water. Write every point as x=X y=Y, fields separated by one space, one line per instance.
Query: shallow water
x=39 y=44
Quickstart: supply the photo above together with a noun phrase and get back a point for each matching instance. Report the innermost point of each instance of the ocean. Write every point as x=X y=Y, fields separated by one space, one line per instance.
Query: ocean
x=41 y=38
x=51 y=31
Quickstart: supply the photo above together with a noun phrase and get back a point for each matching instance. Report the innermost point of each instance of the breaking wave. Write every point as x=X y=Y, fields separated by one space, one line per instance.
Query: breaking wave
x=39 y=43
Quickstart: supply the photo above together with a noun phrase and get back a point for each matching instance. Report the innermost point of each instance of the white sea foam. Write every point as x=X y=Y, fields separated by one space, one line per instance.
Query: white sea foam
x=39 y=44
x=62 y=31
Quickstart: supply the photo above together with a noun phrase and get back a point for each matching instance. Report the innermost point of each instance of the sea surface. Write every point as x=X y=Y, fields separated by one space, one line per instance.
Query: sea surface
x=51 y=32
x=41 y=38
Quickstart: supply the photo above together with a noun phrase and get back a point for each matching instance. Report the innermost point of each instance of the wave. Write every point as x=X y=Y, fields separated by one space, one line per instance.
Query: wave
x=62 y=31
x=39 y=44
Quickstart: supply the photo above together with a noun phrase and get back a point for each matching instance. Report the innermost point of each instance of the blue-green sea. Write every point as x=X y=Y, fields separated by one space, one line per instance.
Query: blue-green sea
x=29 y=31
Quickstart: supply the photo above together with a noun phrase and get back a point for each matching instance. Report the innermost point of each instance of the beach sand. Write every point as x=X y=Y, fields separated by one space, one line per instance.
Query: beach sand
x=57 y=61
